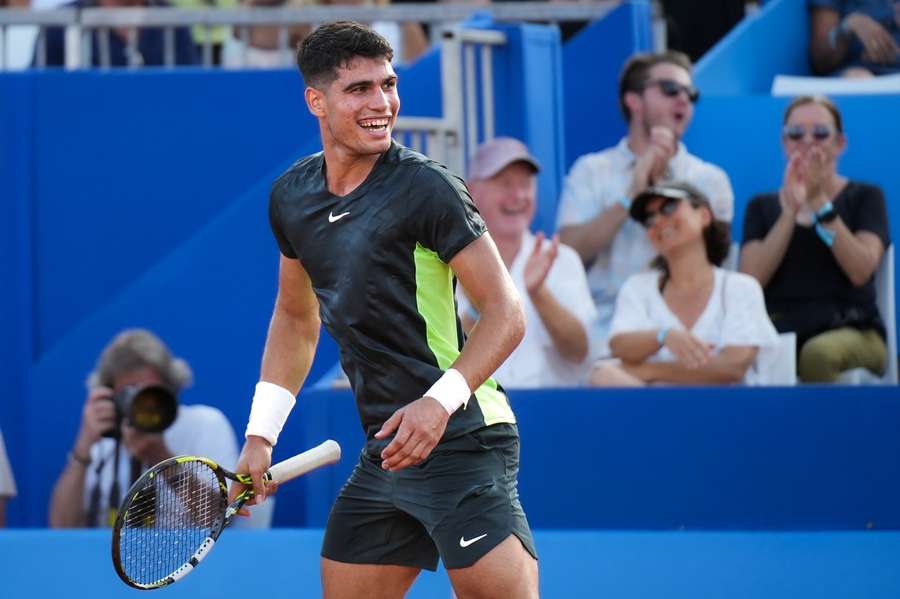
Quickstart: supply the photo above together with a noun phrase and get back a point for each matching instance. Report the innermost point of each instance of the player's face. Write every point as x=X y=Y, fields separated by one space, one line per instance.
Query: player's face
x=665 y=100
x=507 y=200
x=360 y=107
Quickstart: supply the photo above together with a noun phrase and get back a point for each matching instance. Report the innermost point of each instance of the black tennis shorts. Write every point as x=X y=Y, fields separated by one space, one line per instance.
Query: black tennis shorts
x=458 y=504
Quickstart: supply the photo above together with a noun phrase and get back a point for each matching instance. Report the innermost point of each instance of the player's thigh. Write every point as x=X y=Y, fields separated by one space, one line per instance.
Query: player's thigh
x=371 y=581
x=508 y=571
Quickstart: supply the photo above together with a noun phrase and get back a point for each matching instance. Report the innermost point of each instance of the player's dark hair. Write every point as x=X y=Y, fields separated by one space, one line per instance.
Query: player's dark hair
x=333 y=45
x=636 y=72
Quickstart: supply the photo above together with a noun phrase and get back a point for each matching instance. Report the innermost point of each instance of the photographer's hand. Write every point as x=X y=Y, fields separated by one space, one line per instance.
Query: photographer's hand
x=97 y=417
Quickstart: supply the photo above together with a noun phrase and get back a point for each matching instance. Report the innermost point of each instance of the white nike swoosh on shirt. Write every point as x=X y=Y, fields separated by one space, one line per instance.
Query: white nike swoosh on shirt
x=465 y=543
x=332 y=218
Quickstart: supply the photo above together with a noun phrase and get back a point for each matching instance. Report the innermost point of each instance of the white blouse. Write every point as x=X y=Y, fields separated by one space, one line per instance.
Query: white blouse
x=735 y=315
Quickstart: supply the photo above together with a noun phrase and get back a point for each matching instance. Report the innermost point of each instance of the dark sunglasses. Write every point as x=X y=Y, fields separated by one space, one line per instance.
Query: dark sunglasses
x=666 y=208
x=798 y=132
x=671 y=89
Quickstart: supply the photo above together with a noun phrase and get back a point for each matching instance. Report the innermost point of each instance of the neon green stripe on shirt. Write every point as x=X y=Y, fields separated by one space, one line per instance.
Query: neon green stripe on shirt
x=434 y=301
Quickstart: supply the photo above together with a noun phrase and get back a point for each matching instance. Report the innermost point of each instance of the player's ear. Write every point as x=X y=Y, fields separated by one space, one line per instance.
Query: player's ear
x=315 y=101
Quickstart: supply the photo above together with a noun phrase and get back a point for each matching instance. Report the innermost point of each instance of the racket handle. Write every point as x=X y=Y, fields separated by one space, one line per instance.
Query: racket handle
x=328 y=452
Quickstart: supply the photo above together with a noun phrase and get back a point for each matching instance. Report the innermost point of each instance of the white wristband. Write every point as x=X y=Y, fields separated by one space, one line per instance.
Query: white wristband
x=269 y=411
x=451 y=391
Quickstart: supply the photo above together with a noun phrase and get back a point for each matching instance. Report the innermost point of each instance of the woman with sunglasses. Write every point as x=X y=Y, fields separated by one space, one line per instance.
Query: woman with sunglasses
x=814 y=246
x=687 y=321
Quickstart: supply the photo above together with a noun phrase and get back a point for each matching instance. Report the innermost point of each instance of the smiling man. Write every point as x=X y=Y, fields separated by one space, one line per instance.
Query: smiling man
x=657 y=98
x=373 y=237
x=549 y=276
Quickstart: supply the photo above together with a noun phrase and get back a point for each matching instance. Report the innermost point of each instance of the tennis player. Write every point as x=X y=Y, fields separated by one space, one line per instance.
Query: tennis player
x=373 y=237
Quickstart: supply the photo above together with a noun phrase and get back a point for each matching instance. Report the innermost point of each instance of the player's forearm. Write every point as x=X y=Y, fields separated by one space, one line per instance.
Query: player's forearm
x=634 y=347
x=67 y=500
x=566 y=331
x=290 y=348
x=597 y=234
x=760 y=259
x=496 y=334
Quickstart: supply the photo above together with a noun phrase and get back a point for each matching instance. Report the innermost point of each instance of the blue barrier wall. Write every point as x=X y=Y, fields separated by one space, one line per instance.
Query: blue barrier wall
x=773 y=41
x=586 y=564
x=592 y=60
x=715 y=458
x=529 y=105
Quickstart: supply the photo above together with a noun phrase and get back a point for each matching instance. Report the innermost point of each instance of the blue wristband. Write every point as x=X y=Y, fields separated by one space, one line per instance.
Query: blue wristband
x=838 y=33
x=661 y=336
x=624 y=201
x=826 y=235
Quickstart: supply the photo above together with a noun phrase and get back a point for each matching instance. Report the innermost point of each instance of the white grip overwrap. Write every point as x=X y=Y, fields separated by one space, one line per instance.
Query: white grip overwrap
x=270 y=409
x=328 y=452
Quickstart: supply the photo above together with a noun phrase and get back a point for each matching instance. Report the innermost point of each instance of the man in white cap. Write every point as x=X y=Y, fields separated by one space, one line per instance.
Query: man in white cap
x=549 y=276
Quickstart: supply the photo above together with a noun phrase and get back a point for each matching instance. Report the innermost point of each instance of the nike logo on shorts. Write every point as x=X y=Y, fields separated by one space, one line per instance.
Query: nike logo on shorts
x=332 y=218
x=463 y=542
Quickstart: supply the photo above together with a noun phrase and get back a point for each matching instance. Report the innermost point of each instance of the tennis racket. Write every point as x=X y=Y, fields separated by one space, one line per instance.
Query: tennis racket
x=173 y=514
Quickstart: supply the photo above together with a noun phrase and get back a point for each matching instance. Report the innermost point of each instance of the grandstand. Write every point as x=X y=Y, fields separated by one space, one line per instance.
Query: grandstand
x=138 y=198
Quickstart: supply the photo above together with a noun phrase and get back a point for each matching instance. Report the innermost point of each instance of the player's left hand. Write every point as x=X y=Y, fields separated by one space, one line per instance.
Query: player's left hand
x=419 y=425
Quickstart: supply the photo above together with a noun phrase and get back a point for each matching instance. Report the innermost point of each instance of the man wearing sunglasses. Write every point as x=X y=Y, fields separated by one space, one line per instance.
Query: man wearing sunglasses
x=657 y=98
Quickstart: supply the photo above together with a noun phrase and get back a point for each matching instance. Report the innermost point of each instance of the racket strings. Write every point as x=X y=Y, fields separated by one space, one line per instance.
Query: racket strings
x=168 y=518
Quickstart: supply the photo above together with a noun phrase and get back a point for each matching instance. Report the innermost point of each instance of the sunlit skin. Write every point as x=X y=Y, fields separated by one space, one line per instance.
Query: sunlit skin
x=657 y=124
x=811 y=177
x=507 y=200
x=357 y=112
x=684 y=227
x=657 y=109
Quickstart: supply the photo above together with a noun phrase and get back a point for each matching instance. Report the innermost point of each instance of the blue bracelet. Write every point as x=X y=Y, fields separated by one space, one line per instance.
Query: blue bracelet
x=826 y=235
x=661 y=336
x=624 y=201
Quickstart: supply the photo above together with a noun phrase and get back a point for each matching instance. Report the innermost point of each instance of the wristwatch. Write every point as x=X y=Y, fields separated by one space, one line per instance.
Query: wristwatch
x=826 y=213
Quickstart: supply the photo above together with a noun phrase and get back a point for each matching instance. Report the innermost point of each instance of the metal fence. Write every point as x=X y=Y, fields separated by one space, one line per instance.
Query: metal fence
x=467 y=98
x=81 y=24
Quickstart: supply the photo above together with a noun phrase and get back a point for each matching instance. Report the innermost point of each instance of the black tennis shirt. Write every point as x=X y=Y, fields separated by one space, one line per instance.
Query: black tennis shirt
x=378 y=261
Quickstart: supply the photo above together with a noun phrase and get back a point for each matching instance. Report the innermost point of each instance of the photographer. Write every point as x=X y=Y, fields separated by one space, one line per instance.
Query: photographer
x=131 y=420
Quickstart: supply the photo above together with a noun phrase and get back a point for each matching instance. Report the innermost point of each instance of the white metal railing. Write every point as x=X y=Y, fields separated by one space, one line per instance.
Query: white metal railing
x=80 y=24
x=451 y=138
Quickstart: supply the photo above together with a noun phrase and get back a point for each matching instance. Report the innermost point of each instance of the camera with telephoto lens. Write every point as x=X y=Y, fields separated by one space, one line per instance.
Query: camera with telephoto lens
x=147 y=408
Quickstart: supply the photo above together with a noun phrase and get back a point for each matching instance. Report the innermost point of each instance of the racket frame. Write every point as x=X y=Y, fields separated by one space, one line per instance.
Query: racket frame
x=328 y=452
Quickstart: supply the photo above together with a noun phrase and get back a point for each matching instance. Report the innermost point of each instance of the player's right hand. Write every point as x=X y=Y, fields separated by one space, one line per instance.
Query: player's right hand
x=419 y=425
x=255 y=459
